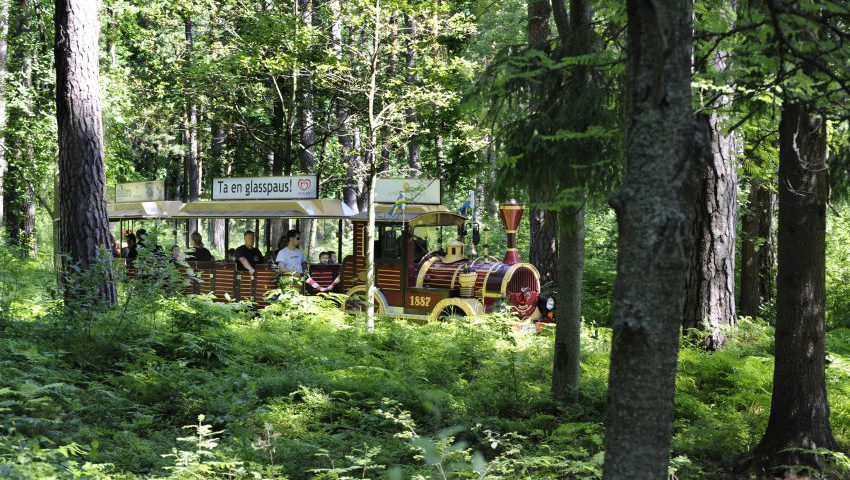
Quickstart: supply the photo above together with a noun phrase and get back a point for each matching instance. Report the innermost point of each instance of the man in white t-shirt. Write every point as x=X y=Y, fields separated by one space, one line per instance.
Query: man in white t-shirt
x=290 y=259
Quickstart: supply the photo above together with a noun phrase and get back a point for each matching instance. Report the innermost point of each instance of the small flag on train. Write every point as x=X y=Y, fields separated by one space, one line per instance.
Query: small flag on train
x=468 y=204
x=398 y=206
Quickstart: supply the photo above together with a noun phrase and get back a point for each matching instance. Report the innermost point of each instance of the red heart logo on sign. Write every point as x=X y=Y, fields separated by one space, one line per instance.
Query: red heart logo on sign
x=304 y=183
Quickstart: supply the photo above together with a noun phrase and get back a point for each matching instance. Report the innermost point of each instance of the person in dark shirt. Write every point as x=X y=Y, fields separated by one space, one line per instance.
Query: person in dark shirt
x=247 y=257
x=200 y=254
x=130 y=252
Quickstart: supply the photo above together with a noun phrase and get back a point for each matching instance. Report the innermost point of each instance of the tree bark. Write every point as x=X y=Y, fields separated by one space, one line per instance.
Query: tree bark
x=570 y=268
x=18 y=201
x=566 y=366
x=750 y=235
x=217 y=146
x=655 y=216
x=192 y=165
x=414 y=149
x=756 y=249
x=767 y=252
x=543 y=224
x=799 y=409
x=348 y=136
x=4 y=33
x=306 y=107
x=82 y=196
x=711 y=284
x=710 y=303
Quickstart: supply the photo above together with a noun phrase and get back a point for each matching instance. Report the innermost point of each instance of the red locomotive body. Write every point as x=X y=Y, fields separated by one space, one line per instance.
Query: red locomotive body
x=427 y=286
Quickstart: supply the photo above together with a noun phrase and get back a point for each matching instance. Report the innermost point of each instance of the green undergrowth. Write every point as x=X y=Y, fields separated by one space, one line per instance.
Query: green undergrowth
x=181 y=387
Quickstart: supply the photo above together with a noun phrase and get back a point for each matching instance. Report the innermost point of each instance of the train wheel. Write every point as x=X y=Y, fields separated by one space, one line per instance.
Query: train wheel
x=450 y=311
x=356 y=301
x=455 y=307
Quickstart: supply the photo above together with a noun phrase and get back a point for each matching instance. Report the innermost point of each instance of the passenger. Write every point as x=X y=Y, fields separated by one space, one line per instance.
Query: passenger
x=324 y=258
x=140 y=237
x=332 y=257
x=231 y=255
x=290 y=259
x=176 y=254
x=247 y=257
x=130 y=252
x=199 y=254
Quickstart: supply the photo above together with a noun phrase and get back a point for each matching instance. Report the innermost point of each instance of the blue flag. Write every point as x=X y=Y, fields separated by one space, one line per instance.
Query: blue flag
x=468 y=204
x=398 y=206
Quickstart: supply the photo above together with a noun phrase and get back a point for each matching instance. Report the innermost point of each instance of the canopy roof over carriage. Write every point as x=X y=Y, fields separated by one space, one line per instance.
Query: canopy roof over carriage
x=317 y=208
x=140 y=210
x=415 y=215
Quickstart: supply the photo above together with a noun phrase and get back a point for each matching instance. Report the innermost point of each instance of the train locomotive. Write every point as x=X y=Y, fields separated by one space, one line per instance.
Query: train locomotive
x=418 y=284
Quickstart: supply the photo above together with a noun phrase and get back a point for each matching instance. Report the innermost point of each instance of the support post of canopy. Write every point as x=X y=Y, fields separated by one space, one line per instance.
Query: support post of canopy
x=226 y=237
x=339 y=241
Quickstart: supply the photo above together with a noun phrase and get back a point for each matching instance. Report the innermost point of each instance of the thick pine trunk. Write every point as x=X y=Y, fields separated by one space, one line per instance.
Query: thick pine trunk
x=799 y=409
x=655 y=211
x=82 y=194
x=711 y=284
x=710 y=303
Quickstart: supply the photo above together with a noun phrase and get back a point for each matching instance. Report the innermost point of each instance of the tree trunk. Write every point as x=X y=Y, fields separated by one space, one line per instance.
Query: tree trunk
x=655 y=216
x=570 y=263
x=566 y=366
x=18 y=201
x=799 y=409
x=348 y=137
x=711 y=282
x=305 y=107
x=750 y=234
x=439 y=154
x=711 y=285
x=4 y=33
x=414 y=150
x=84 y=221
x=756 y=250
x=543 y=224
x=767 y=257
x=192 y=165
x=217 y=146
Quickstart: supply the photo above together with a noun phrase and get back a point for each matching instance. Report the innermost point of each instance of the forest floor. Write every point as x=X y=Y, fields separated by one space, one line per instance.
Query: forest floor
x=302 y=391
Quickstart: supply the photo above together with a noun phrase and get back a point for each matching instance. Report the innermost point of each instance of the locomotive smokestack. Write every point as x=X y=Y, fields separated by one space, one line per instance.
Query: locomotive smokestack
x=511 y=214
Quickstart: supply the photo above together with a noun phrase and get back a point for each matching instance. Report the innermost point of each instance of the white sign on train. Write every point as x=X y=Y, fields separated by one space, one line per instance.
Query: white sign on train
x=416 y=190
x=140 y=191
x=266 y=188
